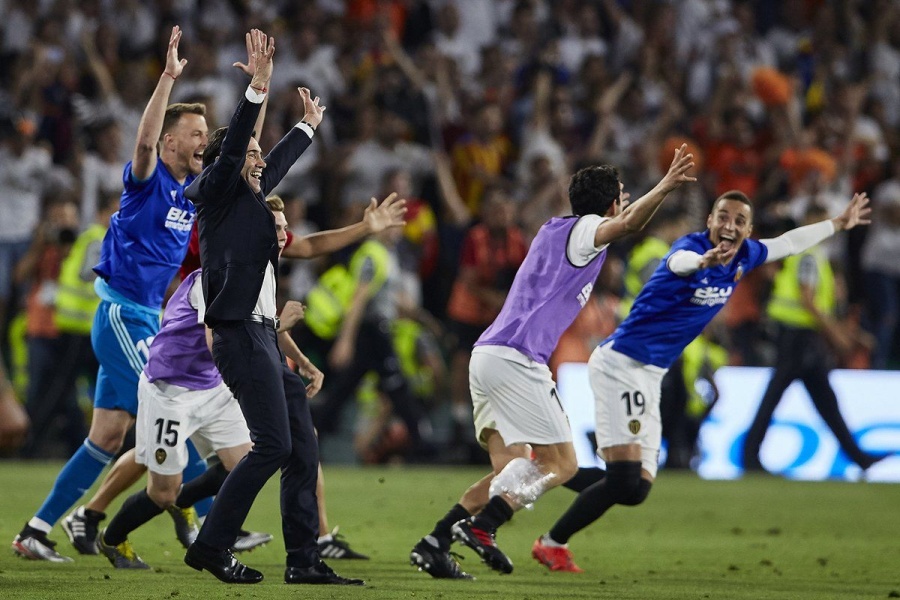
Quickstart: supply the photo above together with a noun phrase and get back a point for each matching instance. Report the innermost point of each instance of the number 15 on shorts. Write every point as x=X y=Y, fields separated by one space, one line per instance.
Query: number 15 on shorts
x=167 y=432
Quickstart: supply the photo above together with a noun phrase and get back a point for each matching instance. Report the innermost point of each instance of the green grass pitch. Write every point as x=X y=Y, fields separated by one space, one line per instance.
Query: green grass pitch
x=756 y=538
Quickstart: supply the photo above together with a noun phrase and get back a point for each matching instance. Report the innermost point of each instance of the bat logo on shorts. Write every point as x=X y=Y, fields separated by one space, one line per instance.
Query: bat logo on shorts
x=634 y=426
x=160 y=456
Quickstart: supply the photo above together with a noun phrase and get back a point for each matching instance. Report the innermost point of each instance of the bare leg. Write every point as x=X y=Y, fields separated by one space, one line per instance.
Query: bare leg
x=124 y=473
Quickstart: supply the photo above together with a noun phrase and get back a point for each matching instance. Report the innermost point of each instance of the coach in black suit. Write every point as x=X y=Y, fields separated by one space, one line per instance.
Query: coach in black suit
x=239 y=252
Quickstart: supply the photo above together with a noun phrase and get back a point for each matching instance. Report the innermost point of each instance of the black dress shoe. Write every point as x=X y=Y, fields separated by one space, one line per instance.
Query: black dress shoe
x=223 y=565
x=318 y=574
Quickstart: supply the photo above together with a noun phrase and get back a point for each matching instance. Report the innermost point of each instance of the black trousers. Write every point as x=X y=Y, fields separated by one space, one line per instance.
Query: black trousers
x=54 y=366
x=374 y=351
x=273 y=400
x=802 y=354
x=675 y=423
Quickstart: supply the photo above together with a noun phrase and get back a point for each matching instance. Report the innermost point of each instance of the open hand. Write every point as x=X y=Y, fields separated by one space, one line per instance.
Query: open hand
x=261 y=49
x=174 y=65
x=856 y=213
x=389 y=213
x=250 y=67
x=677 y=174
x=314 y=112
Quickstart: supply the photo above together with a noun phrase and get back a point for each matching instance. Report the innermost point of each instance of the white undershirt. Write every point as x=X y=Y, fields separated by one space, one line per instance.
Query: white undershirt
x=265 y=304
x=581 y=249
x=195 y=297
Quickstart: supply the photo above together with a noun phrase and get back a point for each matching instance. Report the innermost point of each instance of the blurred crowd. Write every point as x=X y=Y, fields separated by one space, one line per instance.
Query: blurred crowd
x=477 y=112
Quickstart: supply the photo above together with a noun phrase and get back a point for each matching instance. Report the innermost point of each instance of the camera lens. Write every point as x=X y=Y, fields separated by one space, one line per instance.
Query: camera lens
x=67 y=236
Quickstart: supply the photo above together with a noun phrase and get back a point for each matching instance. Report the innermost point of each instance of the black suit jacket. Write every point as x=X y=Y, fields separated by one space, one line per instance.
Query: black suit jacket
x=237 y=229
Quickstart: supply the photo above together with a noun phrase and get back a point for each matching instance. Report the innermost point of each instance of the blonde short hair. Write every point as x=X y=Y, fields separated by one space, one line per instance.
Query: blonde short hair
x=276 y=204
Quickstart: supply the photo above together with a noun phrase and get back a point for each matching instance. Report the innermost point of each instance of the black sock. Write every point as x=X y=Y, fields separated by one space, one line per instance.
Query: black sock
x=585 y=478
x=441 y=531
x=136 y=510
x=205 y=485
x=496 y=513
x=594 y=501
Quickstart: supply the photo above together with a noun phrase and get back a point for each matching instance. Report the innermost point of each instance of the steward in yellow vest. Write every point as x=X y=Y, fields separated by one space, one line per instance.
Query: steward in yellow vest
x=786 y=304
x=76 y=300
x=802 y=304
x=352 y=310
x=642 y=261
x=73 y=356
x=330 y=299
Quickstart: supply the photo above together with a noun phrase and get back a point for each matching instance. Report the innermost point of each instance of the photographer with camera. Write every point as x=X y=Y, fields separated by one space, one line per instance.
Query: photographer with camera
x=38 y=272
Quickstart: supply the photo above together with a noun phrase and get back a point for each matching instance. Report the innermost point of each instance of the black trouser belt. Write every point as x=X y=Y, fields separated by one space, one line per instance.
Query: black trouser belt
x=267 y=321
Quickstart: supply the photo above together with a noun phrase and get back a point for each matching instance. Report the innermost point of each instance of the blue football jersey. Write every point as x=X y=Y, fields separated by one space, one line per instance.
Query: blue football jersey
x=670 y=311
x=148 y=237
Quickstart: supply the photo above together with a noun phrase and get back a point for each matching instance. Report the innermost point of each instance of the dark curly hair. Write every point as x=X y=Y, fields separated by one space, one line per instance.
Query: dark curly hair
x=593 y=190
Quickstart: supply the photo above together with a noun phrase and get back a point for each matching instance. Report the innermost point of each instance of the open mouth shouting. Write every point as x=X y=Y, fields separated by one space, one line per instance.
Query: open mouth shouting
x=727 y=240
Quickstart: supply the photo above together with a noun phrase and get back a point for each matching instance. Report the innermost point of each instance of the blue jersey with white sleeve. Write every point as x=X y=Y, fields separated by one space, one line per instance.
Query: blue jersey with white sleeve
x=148 y=237
x=670 y=311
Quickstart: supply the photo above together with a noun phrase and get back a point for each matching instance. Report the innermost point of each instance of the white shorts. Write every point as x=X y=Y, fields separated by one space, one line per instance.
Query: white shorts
x=516 y=396
x=626 y=395
x=169 y=414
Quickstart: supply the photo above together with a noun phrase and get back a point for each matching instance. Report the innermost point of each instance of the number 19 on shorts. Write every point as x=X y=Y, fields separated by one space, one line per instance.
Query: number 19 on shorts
x=634 y=402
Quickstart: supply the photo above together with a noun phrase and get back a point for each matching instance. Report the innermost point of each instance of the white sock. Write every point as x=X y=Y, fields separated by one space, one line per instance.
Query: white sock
x=549 y=541
x=40 y=524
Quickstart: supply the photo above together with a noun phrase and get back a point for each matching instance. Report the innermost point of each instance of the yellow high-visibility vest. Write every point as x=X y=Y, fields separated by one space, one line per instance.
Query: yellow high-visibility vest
x=650 y=249
x=76 y=300
x=701 y=357
x=420 y=377
x=328 y=301
x=381 y=261
x=785 y=305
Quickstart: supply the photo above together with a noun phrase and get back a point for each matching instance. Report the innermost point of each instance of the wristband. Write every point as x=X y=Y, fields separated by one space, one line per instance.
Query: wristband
x=260 y=90
x=170 y=75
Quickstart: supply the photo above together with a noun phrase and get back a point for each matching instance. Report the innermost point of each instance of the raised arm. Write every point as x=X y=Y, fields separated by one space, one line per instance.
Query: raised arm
x=250 y=70
x=376 y=218
x=226 y=169
x=797 y=240
x=292 y=145
x=342 y=351
x=637 y=214
x=146 y=149
x=452 y=202
x=97 y=66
